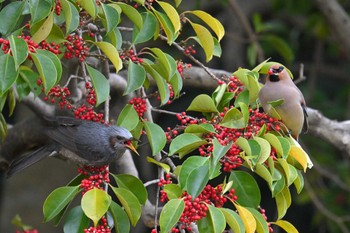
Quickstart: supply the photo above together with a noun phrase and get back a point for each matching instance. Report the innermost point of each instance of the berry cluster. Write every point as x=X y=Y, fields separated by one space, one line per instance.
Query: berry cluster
x=182 y=66
x=189 y=50
x=102 y=227
x=130 y=54
x=171 y=94
x=32 y=46
x=263 y=213
x=161 y=183
x=139 y=105
x=57 y=92
x=58 y=7
x=186 y=119
x=75 y=48
x=197 y=208
x=28 y=231
x=96 y=177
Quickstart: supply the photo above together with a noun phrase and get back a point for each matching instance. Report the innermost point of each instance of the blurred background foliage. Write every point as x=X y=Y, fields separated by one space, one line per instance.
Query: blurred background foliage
x=293 y=33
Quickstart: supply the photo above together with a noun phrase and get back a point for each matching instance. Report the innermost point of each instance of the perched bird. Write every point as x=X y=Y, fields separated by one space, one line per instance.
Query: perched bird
x=279 y=86
x=83 y=142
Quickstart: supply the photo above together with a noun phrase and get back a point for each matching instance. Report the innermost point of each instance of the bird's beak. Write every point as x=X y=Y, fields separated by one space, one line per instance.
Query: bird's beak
x=131 y=147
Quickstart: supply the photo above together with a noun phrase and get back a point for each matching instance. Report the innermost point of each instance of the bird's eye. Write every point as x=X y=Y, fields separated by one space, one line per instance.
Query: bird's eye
x=119 y=138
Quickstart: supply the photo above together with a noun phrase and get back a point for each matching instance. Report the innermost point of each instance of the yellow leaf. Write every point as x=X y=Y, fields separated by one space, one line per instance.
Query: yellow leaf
x=111 y=52
x=206 y=40
x=247 y=218
x=212 y=22
x=45 y=29
x=299 y=154
x=171 y=12
x=285 y=225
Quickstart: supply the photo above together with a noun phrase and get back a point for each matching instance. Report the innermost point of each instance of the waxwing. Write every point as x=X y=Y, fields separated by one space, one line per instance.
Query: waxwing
x=280 y=86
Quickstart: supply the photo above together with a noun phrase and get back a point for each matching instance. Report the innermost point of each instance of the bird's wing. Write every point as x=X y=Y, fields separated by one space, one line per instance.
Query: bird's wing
x=306 y=123
x=65 y=136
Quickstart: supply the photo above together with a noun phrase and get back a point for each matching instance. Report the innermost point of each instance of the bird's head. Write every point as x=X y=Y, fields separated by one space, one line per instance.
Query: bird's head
x=121 y=139
x=275 y=73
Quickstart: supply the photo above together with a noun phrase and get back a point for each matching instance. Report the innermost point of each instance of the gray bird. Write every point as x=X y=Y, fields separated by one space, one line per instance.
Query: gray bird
x=280 y=86
x=83 y=142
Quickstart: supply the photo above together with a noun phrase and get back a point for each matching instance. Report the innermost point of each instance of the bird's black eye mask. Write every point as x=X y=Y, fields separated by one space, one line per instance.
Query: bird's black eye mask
x=277 y=71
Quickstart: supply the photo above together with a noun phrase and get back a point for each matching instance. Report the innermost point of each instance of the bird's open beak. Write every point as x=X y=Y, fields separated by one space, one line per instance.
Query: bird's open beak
x=131 y=147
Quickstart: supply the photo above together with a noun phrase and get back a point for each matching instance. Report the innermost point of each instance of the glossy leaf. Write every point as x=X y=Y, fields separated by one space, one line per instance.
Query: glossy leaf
x=233 y=220
x=247 y=218
x=176 y=83
x=171 y=12
x=120 y=218
x=214 y=222
x=202 y=103
x=264 y=173
x=112 y=54
x=185 y=143
x=218 y=152
x=130 y=203
x=166 y=63
x=75 y=221
x=246 y=189
x=283 y=201
x=261 y=224
x=167 y=26
x=200 y=129
x=55 y=60
x=188 y=166
x=285 y=225
x=234 y=119
x=132 y=14
x=44 y=30
x=206 y=40
x=112 y=17
x=281 y=144
x=212 y=22
x=133 y=184
x=289 y=171
x=71 y=16
x=19 y=49
x=147 y=31
x=30 y=77
x=136 y=77
x=39 y=9
x=8 y=73
x=171 y=214
x=198 y=179
x=128 y=117
x=90 y=6
x=58 y=200
x=95 y=204
x=56 y=35
x=173 y=191
x=156 y=137
x=11 y=16
x=299 y=155
x=166 y=167
x=299 y=182
x=47 y=70
x=100 y=84
x=265 y=149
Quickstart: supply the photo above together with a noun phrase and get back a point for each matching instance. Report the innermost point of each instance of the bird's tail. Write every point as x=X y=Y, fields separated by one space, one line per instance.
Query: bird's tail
x=29 y=159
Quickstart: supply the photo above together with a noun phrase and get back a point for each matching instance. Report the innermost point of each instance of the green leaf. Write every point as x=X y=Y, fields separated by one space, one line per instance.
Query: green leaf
x=283 y=201
x=281 y=144
x=233 y=220
x=39 y=9
x=130 y=203
x=55 y=60
x=200 y=129
x=19 y=49
x=44 y=30
x=188 y=166
x=166 y=62
x=11 y=100
x=289 y=171
x=132 y=14
x=166 y=167
x=30 y=77
x=90 y=6
x=75 y=221
x=206 y=39
x=120 y=218
x=285 y=225
x=265 y=149
x=128 y=117
x=185 y=143
x=95 y=204
x=167 y=26
x=176 y=83
x=247 y=189
x=8 y=73
x=71 y=16
x=234 y=119
x=198 y=178
x=156 y=137
x=247 y=218
x=3 y=127
x=242 y=97
x=172 y=14
x=133 y=184
x=261 y=224
x=112 y=17
x=171 y=214
x=100 y=84
x=202 y=103
x=56 y=35
x=214 y=222
x=264 y=173
x=218 y=152
x=136 y=77
x=212 y=22
x=147 y=31
x=11 y=16
x=58 y=200
x=112 y=54
x=299 y=182
x=173 y=191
